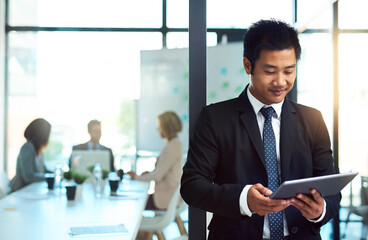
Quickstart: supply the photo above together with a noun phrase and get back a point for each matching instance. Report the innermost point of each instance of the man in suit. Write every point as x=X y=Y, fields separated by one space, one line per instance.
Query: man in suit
x=227 y=171
x=94 y=130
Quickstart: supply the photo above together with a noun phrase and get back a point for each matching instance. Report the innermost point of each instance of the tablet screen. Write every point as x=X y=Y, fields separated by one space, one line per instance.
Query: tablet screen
x=325 y=185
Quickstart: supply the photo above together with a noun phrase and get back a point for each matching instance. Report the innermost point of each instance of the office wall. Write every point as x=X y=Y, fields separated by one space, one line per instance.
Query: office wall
x=2 y=83
x=164 y=86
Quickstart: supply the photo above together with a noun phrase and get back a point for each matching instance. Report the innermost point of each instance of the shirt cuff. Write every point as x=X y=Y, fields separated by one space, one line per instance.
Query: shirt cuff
x=243 y=202
x=322 y=216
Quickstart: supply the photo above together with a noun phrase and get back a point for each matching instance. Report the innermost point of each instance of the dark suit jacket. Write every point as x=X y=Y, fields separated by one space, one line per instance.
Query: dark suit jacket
x=226 y=153
x=84 y=146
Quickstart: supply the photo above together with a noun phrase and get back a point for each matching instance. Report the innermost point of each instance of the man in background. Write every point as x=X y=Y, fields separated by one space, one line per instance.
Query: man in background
x=94 y=130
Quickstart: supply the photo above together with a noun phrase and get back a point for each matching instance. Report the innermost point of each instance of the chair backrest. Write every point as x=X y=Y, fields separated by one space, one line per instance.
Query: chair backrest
x=4 y=184
x=171 y=209
x=182 y=206
x=162 y=220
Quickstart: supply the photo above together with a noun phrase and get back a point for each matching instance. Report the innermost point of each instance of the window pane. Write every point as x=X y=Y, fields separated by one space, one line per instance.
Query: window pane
x=315 y=14
x=86 y=13
x=177 y=13
x=315 y=75
x=353 y=103
x=181 y=39
x=241 y=13
x=71 y=78
x=352 y=14
x=353 y=114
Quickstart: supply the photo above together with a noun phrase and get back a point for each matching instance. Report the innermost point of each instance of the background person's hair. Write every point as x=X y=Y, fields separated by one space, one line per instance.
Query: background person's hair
x=93 y=123
x=271 y=35
x=38 y=132
x=170 y=123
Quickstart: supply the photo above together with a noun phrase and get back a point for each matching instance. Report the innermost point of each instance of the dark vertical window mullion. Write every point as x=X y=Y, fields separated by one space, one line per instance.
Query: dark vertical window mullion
x=197 y=94
x=335 y=33
x=6 y=87
x=164 y=23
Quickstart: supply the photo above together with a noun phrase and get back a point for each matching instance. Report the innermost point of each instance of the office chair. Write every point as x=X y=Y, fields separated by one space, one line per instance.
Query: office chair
x=361 y=210
x=182 y=237
x=155 y=225
x=182 y=207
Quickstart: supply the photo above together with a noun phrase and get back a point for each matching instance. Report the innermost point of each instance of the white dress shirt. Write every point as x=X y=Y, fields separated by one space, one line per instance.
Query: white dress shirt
x=276 y=122
x=91 y=144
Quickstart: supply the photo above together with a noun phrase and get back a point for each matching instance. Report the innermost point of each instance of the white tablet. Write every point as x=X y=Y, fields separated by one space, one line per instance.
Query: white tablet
x=325 y=185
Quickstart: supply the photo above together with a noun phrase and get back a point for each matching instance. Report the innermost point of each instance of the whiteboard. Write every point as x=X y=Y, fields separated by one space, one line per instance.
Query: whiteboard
x=165 y=86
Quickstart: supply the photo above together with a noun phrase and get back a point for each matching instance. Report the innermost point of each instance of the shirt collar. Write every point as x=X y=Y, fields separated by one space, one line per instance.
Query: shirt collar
x=90 y=145
x=257 y=105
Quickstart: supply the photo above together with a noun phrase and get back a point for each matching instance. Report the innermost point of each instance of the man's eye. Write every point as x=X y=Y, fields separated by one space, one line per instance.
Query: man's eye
x=288 y=73
x=269 y=72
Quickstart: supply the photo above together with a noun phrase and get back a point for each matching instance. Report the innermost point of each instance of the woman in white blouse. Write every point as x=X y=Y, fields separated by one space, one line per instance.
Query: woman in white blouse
x=169 y=164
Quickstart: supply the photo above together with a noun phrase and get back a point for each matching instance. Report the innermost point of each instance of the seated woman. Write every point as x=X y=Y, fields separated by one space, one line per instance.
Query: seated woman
x=30 y=167
x=168 y=169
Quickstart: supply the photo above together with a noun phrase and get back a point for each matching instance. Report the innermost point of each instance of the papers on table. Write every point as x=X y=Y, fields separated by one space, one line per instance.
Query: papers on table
x=95 y=230
x=124 y=196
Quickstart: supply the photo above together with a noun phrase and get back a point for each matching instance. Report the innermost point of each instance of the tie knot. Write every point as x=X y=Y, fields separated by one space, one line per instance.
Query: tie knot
x=267 y=112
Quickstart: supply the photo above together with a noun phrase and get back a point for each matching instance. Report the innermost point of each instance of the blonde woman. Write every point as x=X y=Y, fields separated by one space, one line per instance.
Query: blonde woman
x=168 y=168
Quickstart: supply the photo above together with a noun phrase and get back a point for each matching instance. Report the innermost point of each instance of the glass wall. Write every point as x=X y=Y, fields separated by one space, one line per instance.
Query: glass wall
x=90 y=67
x=315 y=74
x=70 y=78
x=353 y=113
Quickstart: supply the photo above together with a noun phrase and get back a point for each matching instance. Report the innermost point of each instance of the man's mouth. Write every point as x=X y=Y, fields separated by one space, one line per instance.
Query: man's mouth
x=277 y=92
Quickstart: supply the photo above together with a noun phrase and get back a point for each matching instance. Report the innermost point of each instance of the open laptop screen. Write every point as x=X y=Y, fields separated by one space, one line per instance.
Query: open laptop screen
x=82 y=159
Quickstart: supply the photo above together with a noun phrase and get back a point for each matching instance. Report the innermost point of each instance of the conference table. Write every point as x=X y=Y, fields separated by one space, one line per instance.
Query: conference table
x=34 y=212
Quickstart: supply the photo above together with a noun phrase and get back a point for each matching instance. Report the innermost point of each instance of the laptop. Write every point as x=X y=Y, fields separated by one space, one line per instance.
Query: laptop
x=82 y=159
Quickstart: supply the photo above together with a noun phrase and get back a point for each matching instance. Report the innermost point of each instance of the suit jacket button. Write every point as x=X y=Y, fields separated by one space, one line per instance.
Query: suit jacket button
x=294 y=230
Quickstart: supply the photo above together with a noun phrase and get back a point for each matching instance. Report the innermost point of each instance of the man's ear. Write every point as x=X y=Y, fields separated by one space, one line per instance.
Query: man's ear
x=247 y=65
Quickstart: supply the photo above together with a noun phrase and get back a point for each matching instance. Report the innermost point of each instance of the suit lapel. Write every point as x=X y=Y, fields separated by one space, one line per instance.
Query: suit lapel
x=288 y=132
x=250 y=123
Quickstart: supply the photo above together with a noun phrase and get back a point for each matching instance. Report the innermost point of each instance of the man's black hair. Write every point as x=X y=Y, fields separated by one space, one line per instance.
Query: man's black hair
x=271 y=35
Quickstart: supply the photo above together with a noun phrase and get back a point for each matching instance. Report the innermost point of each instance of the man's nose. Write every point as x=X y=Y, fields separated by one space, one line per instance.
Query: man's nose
x=280 y=80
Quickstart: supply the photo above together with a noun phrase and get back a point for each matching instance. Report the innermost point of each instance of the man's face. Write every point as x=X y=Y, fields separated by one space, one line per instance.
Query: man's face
x=273 y=75
x=95 y=133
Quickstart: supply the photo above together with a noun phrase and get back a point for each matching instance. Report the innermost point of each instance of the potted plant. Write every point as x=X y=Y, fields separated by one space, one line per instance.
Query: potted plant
x=69 y=175
x=105 y=173
x=79 y=179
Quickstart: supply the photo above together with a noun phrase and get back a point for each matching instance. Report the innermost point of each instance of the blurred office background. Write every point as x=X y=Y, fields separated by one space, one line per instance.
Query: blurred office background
x=125 y=62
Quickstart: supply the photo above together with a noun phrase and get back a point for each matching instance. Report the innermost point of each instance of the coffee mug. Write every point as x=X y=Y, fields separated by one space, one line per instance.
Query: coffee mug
x=50 y=179
x=70 y=191
x=114 y=184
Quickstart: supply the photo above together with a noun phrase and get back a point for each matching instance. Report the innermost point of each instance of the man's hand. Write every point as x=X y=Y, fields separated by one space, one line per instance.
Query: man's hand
x=260 y=203
x=310 y=206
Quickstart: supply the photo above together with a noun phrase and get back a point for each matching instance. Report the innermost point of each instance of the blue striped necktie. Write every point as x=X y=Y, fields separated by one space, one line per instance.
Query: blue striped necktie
x=269 y=144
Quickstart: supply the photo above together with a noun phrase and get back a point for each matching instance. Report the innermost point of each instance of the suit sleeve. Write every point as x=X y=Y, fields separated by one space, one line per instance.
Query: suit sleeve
x=323 y=165
x=198 y=183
